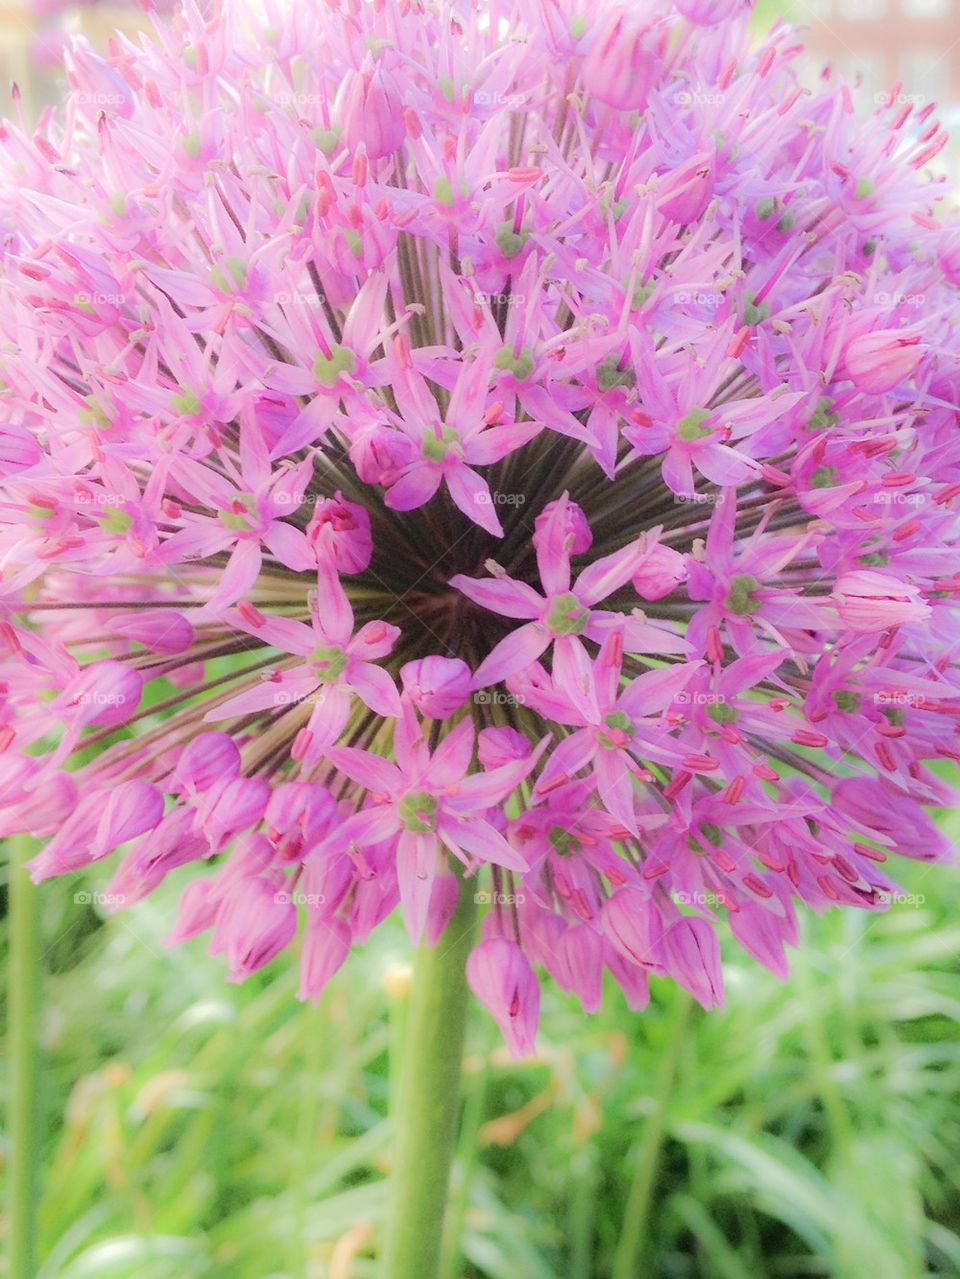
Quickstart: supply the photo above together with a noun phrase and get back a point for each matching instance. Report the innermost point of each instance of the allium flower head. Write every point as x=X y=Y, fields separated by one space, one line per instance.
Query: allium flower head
x=458 y=447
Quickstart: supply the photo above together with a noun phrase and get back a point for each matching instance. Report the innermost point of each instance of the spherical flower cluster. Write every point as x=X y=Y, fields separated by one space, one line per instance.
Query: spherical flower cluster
x=506 y=449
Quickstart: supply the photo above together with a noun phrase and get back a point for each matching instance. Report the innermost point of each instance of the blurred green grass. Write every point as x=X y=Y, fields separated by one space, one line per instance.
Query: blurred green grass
x=195 y=1130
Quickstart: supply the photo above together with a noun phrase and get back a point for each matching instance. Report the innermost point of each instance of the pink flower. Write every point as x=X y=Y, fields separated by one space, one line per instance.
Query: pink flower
x=428 y=804
x=401 y=505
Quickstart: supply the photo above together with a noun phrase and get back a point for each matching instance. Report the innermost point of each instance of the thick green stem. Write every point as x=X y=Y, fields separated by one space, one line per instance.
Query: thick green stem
x=633 y=1237
x=428 y=1101
x=23 y=1004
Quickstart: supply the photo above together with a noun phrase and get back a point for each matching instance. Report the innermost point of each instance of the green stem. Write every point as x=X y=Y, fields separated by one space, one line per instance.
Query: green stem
x=473 y=1111
x=23 y=1113
x=633 y=1237
x=428 y=1101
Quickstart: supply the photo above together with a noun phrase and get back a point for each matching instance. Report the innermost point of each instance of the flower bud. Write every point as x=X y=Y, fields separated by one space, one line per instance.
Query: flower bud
x=498 y=746
x=878 y=361
x=209 y=758
x=371 y=113
x=326 y=945
x=131 y=809
x=574 y=523
x=868 y=601
x=341 y=529
x=500 y=976
x=437 y=686
x=161 y=630
x=693 y=959
x=254 y=921
x=661 y=572
x=709 y=13
x=633 y=926
x=622 y=66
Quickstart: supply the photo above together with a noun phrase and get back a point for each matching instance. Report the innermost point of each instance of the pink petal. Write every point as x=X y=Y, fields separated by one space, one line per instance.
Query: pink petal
x=415 y=488
x=375 y=689
x=471 y=494
x=501 y=595
x=482 y=841
x=514 y=653
x=573 y=672
x=372 y=772
x=418 y=861
x=290 y=547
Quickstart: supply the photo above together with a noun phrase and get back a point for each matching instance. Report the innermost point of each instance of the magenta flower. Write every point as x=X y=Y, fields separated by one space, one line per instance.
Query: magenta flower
x=465 y=455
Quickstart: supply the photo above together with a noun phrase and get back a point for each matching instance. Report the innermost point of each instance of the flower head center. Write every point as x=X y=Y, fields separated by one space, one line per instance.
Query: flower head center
x=418 y=811
x=437 y=446
x=617 y=732
x=566 y=615
x=330 y=661
x=327 y=368
x=241 y=515
x=690 y=428
x=564 y=842
x=741 y=598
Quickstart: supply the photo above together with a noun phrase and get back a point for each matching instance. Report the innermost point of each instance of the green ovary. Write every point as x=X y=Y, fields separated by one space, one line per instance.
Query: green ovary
x=418 y=811
x=691 y=428
x=327 y=368
x=619 y=723
x=241 y=521
x=741 y=598
x=330 y=661
x=436 y=447
x=564 y=843
x=566 y=615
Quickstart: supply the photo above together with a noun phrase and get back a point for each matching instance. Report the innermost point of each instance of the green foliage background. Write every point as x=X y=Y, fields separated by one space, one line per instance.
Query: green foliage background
x=195 y=1130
